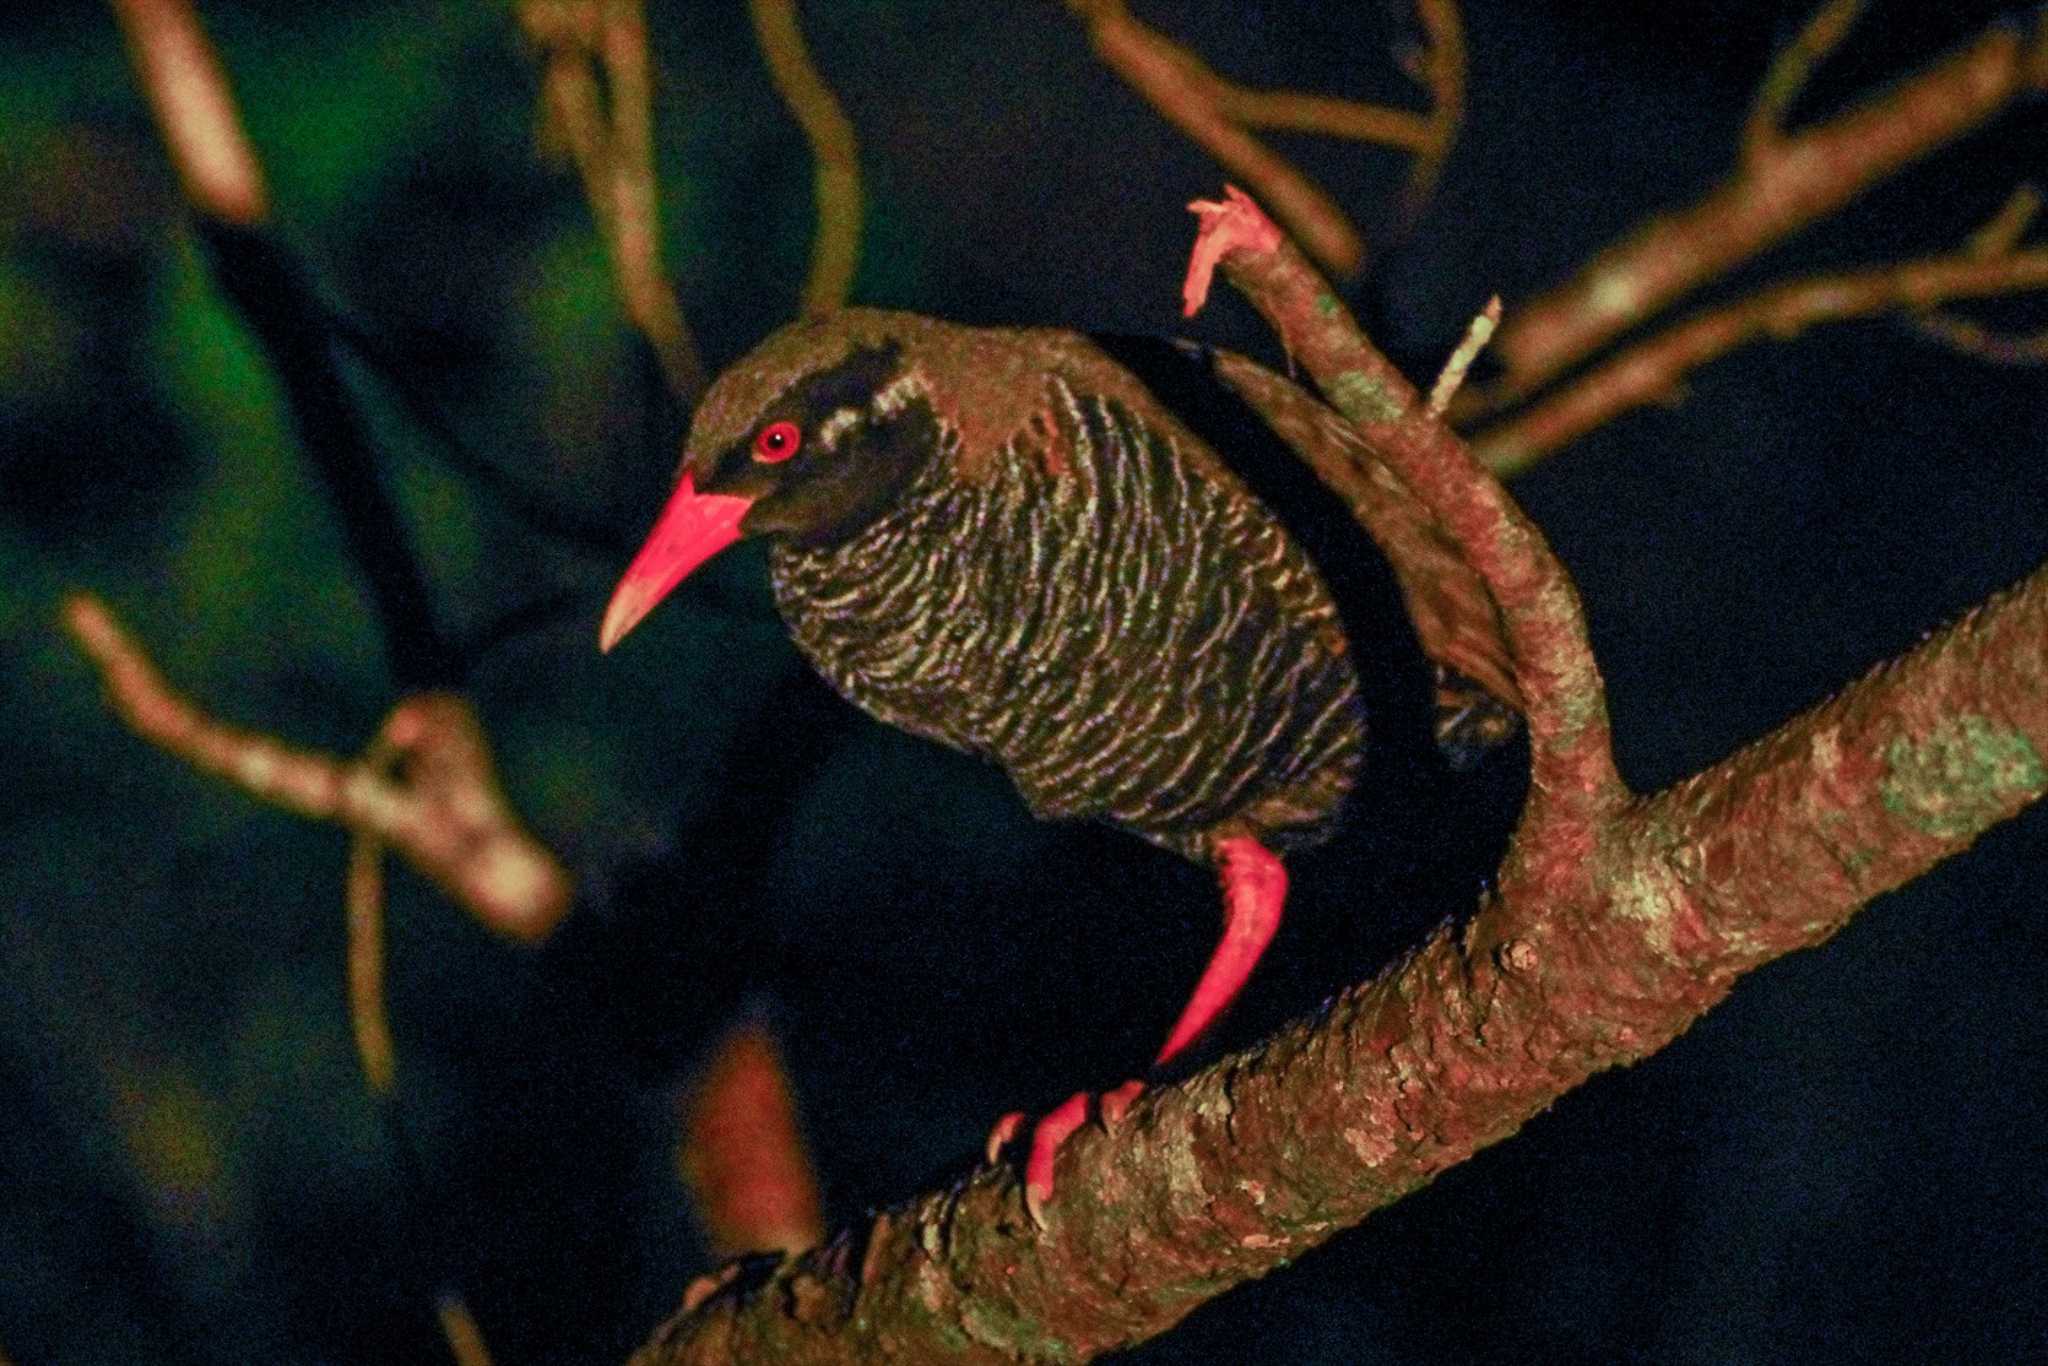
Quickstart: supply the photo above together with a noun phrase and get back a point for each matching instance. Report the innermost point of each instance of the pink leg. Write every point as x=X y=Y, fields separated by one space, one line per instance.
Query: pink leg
x=1254 y=889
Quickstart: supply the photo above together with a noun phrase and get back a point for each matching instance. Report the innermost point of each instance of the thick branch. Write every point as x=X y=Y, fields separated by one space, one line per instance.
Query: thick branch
x=1800 y=179
x=1592 y=964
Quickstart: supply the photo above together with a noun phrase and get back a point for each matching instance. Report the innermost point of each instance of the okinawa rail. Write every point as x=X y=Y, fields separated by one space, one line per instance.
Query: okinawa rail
x=1000 y=539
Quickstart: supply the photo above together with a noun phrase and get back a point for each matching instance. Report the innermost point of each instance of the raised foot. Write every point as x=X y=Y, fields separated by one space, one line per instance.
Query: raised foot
x=1051 y=1131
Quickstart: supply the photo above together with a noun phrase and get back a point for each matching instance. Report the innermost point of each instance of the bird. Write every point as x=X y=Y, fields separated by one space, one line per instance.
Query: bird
x=1002 y=540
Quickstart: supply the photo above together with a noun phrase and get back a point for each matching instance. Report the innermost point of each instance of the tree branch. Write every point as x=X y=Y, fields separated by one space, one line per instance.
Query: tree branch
x=1652 y=370
x=442 y=808
x=614 y=152
x=1790 y=70
x=833 y=150
x=1572 y=766
x=1803 y=178
x=1217 y=113
x=1589 y=964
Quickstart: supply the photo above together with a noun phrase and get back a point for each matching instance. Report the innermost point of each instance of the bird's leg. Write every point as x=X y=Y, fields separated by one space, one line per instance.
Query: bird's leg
x=1254 y=889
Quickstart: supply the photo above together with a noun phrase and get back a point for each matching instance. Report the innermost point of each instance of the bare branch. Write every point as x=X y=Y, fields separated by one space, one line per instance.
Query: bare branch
x=1588 y=959
x=1809 y=175
x=1969 y=337
x=443 y=809
x=817 y=111
x=615 y=155
x=1215 y=113
x=194 y=107
x=372 y=1027
x=1453 y=375
x=1789 y=73
x=1440 y=67
x=1653 y=370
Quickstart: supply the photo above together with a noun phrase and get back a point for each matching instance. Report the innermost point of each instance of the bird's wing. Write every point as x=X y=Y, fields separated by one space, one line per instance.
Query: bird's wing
x=1454 y=616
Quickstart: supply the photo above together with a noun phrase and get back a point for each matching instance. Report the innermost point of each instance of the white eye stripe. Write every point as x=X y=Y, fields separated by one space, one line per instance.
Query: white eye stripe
x=896 y=395
x=837 y=425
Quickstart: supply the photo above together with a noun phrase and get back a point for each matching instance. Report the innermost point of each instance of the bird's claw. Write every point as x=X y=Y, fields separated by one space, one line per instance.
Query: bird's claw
x=1003 y=1135
x=1052 y=1130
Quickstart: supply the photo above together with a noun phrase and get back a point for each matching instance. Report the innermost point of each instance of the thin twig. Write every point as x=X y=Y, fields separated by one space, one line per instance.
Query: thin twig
x=1440 y=67
x=1790 y=70
x=649 y=295
x=366 y=1012
x=2004 y=229
x=836 y=251
x=614 y=155
x=1453 y=375
x=1967 y=336
x=1216 y=113
x=1652 y=370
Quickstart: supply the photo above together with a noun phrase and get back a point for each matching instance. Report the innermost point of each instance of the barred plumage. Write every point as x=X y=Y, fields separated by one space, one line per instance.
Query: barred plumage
x=1131 y=636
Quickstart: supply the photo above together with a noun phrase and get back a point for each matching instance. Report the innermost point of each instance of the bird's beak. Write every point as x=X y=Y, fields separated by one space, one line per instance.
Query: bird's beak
x=692 y=528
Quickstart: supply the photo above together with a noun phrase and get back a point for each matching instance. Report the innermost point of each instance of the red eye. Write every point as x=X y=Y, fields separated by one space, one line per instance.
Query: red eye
x=778 y=441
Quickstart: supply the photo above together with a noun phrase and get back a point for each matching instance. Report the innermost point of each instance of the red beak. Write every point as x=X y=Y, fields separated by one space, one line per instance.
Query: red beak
x=692 y=528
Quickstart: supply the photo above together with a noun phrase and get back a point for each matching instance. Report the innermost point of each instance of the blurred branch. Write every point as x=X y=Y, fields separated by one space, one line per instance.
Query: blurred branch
x=817 y=111
x=202 y=131
x=182 y=79
x=1652 y=371
x=1970 y=337
x=458 y=1328
x=607 y=130
x=441 y=808
x=1217 y=113
x=1800 y=179
x=1440 y=68
x=276 y=297
x=1789 y=73
x=742 y=1154
x=364 y=896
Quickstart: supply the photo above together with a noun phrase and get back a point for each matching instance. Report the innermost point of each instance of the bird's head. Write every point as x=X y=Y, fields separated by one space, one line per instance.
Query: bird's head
x=809 y=438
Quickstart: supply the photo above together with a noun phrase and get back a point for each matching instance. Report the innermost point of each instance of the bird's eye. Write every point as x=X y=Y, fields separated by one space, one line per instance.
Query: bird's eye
x=777 y=441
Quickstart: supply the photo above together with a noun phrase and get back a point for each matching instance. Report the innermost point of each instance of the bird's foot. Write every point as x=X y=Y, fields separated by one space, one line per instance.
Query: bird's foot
x=1053 y=1129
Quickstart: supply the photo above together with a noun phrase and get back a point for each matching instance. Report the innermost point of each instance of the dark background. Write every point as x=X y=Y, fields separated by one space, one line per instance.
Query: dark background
x=1843 y=1163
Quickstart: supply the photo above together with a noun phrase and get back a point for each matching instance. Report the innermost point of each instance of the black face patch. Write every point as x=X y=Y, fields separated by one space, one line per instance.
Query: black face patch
x=852 y=383
x=865 y=430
